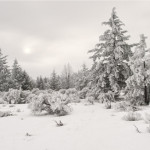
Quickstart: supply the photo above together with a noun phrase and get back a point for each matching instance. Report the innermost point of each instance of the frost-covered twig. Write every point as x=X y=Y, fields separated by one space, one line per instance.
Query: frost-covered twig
x=137 y=129
x=59 y=123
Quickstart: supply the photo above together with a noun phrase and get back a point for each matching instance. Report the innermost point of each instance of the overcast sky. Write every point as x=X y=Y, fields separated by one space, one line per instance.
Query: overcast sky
x=47 y=35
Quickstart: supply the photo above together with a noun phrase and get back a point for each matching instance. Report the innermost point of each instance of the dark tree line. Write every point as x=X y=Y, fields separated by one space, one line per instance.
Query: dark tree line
x=17 y=78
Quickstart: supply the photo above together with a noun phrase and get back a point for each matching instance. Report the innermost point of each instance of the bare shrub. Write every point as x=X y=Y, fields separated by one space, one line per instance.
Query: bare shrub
x=121 y=106
x=137 y=129
x=132 y=116
x=108 y=105
x=59 y=123
x=125 y=106
x=5 y=113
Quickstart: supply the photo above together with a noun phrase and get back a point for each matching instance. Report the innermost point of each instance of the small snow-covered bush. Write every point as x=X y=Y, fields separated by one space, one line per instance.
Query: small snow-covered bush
x=36 y=104
x=108 y=105
x=74 y=98
x=132 y=116
x=135 y=97
x=71 y=91
x=90 y=99
x=125 y=106
x=71 y=94
x=24 y=95
x=83 y=92
x=106 y=97
x=30 y=97
x=5 y=113
x=94 y=92
x=121 y=106
x=55 y=103
x=36 y=91
x=59 y=104
x=13 y=96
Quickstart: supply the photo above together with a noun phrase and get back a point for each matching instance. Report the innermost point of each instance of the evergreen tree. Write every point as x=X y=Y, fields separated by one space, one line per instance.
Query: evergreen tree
x=67 y=77
x=54 y=81
x=27 y=83
x=47 y=83
x=16 y=75
x=4 y=73
x=40 y=83
x=110 y=69
x=137 y=91
x=81 y=79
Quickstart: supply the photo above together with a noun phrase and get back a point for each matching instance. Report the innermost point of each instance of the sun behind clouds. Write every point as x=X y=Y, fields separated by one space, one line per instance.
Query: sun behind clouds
x=27 y=50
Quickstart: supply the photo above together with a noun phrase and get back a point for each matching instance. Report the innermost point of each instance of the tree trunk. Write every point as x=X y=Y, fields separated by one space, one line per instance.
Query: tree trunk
x=146 y=97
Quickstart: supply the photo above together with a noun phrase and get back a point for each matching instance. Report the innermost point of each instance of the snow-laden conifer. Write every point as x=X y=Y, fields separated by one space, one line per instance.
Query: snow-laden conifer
x=137 y=84
x=4 y=73
x=16 y=75
x=110 y=56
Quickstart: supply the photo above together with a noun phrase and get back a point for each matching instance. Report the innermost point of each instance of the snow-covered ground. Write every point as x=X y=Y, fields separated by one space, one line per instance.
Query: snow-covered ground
x=88 y=127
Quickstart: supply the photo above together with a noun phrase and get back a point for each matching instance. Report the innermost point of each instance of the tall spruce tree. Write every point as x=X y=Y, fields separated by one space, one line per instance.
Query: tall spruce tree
x=137 y=84
x=46 y=83
x=17 y=75
x=110 y=69
x=54 y=81
x=81 y=78
x=4 y=73
x=67 y=77
x=40 y=83
x=27 y=83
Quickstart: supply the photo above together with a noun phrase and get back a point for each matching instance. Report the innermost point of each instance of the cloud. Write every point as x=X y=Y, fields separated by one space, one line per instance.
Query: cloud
x=48 y=35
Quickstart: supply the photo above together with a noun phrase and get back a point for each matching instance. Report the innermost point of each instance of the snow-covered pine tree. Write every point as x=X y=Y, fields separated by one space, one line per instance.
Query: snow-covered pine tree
x=110 y=69
x=4 y=73
x=47 y=83
x=27 y=83
x=40 y=83
x=54 y=81
x=81 y=78
x=16 y=75
x=67 y=77
x=137 y=92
